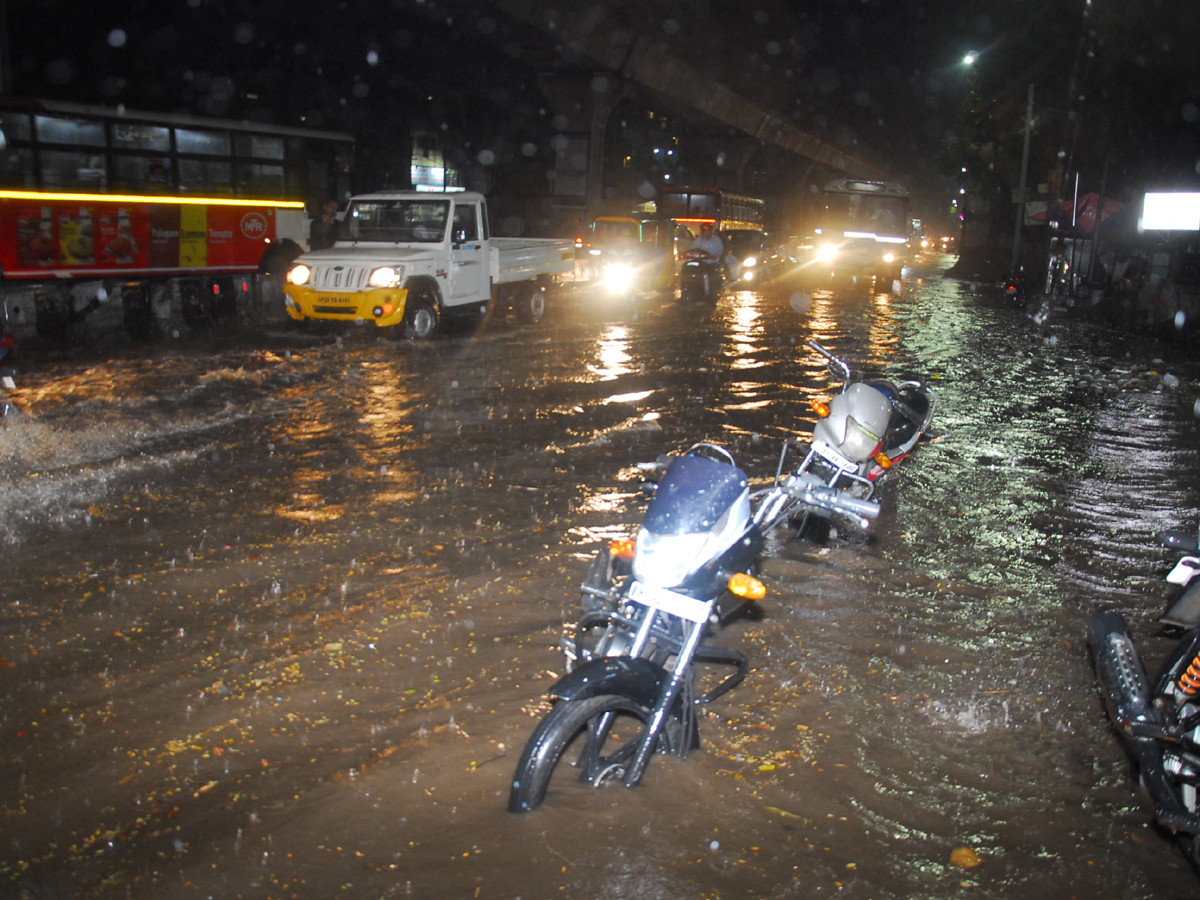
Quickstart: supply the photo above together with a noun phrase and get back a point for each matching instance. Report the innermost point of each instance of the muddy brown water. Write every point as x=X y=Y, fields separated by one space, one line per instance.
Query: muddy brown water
x=278 y=610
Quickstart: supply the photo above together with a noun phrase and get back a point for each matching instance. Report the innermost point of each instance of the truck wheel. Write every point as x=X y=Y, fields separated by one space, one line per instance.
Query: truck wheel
x=530 y=303
x=421 y=319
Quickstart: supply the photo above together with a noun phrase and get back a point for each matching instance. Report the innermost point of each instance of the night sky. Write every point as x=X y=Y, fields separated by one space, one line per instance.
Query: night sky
x=880 y=79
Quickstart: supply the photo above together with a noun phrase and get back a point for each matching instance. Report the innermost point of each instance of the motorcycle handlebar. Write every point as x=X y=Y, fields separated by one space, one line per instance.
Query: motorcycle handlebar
x=832 y=499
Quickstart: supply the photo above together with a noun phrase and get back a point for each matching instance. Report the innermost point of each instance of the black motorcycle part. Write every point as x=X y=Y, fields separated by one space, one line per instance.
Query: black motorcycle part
x=1184 y=610
x=1122 y=677
x=639 y=679
x=603 y=571
x=611 y=727
x=1140 y=723
x=1182 y=541
x=727 y=657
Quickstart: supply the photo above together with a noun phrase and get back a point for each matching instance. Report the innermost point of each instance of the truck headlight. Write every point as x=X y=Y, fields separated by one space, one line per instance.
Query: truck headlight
x=385 y=277
x=299 y=274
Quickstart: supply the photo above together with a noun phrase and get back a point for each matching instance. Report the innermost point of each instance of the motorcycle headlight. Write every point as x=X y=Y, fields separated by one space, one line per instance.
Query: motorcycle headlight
x=889 y=257
x=618 y=278
x=385 y=277
x=827 y=252
x=299 y=274
x=750 y=261
x=665 y=560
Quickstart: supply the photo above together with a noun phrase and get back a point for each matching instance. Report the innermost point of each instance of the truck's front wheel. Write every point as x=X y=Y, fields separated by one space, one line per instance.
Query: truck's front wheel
x=421 y=320
x=530 y=304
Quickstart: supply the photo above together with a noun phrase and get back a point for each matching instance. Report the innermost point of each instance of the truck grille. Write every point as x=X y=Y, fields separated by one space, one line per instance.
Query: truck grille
x=340 y=277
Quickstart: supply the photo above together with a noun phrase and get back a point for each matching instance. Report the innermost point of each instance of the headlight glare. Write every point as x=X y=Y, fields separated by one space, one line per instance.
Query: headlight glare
x=618 y=278
x=299 y=274
x=385 y=277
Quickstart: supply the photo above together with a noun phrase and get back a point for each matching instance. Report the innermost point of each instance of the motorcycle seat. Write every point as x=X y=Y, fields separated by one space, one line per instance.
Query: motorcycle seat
x=887 y=388
x=910 y=416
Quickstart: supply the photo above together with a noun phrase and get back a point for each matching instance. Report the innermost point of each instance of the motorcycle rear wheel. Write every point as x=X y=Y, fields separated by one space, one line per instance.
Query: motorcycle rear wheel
x=606 y=729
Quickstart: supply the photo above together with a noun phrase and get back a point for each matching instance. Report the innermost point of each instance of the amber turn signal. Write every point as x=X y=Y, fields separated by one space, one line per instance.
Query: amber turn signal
x=747 y=587
x=622 y=549
x=883 y=459
x=821 y=409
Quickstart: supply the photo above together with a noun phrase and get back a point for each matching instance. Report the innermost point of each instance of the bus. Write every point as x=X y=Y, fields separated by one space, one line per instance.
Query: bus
x=864 y=228
x=154 y=214
x=694 y=207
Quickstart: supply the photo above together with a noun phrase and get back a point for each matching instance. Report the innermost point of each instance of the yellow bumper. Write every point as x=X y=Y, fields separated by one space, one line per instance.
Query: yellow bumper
x=383 y=306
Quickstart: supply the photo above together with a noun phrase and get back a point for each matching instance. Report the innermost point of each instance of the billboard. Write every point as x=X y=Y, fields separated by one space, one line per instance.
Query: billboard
x=1171 y=212
x=40 y=238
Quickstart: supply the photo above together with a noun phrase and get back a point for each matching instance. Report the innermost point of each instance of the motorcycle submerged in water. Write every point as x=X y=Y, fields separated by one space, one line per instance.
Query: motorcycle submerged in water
x=640 y=662
x=860 y=437
x=701 y=277
x=1159 y=720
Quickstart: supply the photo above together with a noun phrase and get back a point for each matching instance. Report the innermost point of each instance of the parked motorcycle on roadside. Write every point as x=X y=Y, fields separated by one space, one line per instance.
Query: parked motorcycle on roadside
x=860 y=437
x=638 y=661
x=1159 y=720
x=1183 y=609
x=701 y=277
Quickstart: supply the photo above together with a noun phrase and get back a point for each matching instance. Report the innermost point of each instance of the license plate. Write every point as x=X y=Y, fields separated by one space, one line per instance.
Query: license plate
x=824 y=450
x=670 y=602
x=1184 y=570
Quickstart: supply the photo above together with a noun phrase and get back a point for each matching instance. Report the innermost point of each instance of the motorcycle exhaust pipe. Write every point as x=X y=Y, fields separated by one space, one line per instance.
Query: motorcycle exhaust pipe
x=1127 y=695
x=1122 y=676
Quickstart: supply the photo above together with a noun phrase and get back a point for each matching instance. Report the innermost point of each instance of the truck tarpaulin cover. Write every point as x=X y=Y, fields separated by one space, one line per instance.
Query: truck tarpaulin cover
x=37 y=239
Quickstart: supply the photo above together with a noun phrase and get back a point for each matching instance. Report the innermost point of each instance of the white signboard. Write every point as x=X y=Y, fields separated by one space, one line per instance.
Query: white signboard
x=1171 y=212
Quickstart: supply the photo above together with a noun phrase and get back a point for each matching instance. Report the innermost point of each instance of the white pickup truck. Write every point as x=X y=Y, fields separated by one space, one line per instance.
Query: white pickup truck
x=407 y=260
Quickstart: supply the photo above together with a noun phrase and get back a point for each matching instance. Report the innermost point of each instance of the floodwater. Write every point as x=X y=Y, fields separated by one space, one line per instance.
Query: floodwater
x=278 y=610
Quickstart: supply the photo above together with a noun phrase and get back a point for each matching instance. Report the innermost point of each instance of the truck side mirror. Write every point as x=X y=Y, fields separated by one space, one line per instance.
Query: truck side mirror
x=460 y=236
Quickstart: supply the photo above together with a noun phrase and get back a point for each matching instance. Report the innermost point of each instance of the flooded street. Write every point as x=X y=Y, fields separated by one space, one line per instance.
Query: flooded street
x=278 y=609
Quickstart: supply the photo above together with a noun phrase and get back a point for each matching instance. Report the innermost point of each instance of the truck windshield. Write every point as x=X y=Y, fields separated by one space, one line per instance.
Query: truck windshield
x=395 y=221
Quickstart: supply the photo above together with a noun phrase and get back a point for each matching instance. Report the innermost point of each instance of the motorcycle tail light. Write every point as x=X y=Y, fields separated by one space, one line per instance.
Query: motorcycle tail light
x=821 y=409
x=622 y=549
x=884 y=460
x=747 y=587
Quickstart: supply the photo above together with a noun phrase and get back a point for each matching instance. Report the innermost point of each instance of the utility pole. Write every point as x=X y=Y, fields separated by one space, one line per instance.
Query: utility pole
x=1016 y=250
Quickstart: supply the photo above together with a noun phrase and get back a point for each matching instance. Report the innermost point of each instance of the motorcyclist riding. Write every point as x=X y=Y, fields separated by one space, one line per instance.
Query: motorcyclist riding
x=709 y=242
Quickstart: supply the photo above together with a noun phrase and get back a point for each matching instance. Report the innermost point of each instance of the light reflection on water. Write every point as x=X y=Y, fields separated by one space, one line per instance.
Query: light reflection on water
x=923 y=691
x=612 y=354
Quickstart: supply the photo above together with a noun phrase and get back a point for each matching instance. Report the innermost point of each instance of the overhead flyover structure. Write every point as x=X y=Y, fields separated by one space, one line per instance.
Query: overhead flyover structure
x=640 y=57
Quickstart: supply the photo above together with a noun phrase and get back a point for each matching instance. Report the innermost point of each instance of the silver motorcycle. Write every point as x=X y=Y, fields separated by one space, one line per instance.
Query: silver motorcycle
x=860 y=437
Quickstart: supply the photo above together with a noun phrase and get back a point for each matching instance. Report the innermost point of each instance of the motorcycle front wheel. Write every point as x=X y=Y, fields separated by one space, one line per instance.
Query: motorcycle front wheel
x=605 y=732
